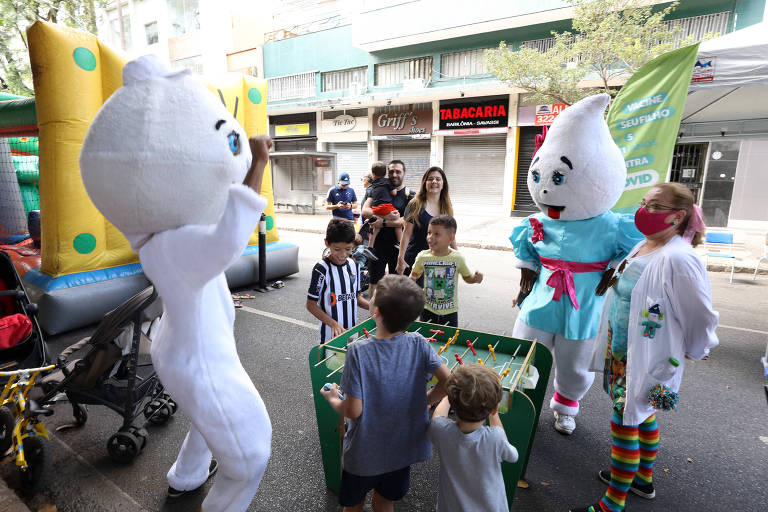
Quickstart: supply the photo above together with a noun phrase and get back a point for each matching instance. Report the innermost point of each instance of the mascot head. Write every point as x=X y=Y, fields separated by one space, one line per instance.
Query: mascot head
x=162 y=152
x=579 y=172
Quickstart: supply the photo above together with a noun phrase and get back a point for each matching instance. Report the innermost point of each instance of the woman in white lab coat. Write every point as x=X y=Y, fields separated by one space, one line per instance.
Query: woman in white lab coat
x=657 y=313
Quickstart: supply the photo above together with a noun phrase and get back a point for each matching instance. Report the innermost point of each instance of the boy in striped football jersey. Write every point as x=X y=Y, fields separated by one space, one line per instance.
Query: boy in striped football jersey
x=334 y=291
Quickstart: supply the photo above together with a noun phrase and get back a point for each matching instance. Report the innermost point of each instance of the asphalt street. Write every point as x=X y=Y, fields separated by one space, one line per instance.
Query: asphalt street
x=713 y=452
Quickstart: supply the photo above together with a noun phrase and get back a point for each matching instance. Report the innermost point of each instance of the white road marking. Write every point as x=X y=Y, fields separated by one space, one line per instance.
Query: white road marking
x=279 y=317
x=104 y=480
x=742 y=329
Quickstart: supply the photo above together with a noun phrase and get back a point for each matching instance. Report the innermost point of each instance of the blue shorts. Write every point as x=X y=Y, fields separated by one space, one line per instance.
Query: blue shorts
x=392 y=486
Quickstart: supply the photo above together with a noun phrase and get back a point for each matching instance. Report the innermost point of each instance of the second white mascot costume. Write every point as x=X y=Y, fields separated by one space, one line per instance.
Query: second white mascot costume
x=164 y=161
x=575 y=178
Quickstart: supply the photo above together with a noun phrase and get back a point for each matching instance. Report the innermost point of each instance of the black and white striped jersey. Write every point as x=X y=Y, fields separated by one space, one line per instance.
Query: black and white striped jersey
x=335 y=288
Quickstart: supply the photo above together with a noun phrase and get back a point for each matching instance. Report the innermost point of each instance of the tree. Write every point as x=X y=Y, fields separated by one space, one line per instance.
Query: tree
x=18 y=15
x=611 y=40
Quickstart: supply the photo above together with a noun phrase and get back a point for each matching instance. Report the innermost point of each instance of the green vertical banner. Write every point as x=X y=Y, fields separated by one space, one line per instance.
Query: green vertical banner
x=644 y=119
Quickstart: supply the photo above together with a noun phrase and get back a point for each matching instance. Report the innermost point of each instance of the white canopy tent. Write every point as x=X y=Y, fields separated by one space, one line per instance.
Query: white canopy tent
x=731 y=79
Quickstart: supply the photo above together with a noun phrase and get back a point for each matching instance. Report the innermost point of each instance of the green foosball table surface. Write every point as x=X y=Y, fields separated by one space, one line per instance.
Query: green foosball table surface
x=524 y=366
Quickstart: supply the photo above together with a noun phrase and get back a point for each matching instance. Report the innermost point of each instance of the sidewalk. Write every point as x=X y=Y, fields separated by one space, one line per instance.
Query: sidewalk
x=485 y=232
x=9 y=500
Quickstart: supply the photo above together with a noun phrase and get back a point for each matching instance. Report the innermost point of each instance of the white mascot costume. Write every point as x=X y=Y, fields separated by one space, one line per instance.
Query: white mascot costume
x=164 y=161
x=576 y=176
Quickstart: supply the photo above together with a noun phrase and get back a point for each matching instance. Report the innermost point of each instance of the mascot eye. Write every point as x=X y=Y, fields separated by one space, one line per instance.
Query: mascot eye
x=557 y=178
x=234 y=142
x=536 y=176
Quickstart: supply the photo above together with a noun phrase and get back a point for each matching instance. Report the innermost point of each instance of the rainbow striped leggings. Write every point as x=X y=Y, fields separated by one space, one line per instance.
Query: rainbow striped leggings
x=632 y=456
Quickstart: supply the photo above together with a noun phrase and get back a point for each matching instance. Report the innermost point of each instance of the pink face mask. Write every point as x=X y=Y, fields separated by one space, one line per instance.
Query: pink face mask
x=651 y=223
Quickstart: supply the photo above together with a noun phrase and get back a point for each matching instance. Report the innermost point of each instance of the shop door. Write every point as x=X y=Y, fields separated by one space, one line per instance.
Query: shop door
x=415 y=155
x=352 y=158
x=688 y=167
x=525 y=150
x=718 y=183
x=474 y=167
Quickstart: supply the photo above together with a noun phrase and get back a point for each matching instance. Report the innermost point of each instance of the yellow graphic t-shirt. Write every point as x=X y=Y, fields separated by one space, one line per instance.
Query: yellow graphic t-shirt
x=440 y=280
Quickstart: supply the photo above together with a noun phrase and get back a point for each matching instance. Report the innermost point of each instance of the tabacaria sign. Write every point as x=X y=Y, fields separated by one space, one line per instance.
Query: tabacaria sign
x=482 y=114
x=402 y=123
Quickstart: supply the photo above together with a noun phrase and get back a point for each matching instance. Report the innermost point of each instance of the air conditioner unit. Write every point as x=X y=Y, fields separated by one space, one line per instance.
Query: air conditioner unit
x=410 y=84
x=355 y=89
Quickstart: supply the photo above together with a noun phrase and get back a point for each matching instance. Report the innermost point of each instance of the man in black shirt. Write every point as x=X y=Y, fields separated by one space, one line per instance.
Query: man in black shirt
x=387 y=246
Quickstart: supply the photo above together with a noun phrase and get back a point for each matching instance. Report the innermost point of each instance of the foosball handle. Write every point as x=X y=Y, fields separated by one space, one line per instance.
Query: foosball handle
x=328 y=386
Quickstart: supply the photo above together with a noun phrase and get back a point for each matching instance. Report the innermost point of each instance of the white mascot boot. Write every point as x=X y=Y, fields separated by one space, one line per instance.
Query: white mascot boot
x=164 y=161
x=575 y=177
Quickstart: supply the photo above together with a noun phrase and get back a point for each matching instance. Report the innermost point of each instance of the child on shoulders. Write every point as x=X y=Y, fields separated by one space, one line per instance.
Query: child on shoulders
x=385 y=399
x=381 y=194
x=440 y=265
x=470 y=452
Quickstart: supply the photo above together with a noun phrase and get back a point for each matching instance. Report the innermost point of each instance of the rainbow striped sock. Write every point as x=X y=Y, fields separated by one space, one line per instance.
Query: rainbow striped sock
x=625 y=459
x=648 y=432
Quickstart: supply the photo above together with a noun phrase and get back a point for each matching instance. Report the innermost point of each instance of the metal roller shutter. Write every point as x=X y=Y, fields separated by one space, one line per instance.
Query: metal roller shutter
x=474 y=167
x=351 y=157
x=527 y=145
x=415 y=155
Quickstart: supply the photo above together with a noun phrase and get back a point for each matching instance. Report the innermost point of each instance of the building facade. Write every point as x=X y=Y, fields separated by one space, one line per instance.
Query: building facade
x=373 y=77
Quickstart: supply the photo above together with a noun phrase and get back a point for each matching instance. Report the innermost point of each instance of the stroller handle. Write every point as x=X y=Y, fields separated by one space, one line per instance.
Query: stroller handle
x=28 y=370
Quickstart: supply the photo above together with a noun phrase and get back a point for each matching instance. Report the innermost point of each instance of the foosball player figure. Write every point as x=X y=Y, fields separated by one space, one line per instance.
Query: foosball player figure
x=471 y=452
x=387 y=431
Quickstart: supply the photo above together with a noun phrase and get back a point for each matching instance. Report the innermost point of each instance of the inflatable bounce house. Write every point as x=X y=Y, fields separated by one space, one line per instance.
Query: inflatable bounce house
x=86 y=266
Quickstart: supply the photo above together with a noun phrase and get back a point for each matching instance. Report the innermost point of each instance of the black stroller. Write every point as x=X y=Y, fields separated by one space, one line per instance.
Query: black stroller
x=31 y=351
x=121 y=378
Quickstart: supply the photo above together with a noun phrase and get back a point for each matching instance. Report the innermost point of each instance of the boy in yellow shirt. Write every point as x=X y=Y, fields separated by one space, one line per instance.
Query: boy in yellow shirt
x=441 y=266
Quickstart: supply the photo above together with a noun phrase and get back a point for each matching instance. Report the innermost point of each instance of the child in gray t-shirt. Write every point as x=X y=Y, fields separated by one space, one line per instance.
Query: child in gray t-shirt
x=385 y=398
x=470 y=452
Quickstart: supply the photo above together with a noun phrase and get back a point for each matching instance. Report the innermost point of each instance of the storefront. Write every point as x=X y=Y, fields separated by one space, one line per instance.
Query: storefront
x=474 y=150
x=294 y=132
x=531 y=120
x=404 y=135
x=346 y=134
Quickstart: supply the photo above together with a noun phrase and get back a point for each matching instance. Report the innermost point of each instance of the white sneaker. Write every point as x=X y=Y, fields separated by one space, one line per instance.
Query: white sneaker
x=565 y=423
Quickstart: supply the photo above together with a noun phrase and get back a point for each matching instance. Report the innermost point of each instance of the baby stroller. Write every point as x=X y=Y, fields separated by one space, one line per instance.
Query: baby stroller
x=21 y=341
x=116 y=372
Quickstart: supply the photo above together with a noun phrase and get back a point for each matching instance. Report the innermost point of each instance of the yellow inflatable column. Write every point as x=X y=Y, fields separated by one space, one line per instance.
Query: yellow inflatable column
x=246 y=99
x=73 y=76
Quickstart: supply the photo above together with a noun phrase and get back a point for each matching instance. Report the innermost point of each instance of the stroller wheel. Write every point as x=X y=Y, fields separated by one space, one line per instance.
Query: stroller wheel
x=80 y=413
x=157 y=412
x=123 y=447
x=141 y=434
x=173 y=405
x=37 y=452
x=6 y=429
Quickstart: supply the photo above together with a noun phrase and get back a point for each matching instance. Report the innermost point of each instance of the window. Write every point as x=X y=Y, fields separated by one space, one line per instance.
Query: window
x=301 y=85
x=114 y=30
x=393 y=73
x=460 y=64
x=194 y=64
x=183 y=16
x=150 y=29
x=343 y=80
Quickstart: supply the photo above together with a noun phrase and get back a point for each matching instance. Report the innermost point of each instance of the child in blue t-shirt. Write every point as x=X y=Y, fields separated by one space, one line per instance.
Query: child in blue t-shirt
x=386 y=400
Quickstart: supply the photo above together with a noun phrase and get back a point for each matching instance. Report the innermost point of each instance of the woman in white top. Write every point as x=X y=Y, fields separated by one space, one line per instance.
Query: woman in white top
x=657 y=313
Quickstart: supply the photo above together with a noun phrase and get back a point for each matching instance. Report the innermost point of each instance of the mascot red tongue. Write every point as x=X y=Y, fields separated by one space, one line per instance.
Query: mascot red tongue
x=164 y=161
x=576 y=176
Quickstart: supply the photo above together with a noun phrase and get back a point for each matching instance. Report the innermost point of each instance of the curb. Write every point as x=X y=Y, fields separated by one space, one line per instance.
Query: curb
x=474 y=245
x=9 y=500
x=494 y=247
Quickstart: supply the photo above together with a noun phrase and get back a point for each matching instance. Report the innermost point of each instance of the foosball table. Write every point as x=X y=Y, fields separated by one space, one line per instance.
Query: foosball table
x=523 y=365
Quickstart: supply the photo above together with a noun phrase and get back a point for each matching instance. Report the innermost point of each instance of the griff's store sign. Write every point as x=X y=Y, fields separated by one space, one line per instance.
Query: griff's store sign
x=485 y=114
